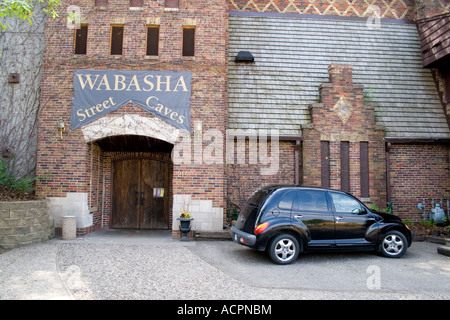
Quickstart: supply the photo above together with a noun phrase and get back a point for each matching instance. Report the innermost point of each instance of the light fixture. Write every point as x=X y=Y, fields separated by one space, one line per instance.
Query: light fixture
x=14 y=78
x=244 y=56
x=198 y=128
x=61 y=127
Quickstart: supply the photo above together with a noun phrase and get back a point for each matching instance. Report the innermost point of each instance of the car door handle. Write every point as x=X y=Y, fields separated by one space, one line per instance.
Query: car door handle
x=298 y=216
x=339 y=218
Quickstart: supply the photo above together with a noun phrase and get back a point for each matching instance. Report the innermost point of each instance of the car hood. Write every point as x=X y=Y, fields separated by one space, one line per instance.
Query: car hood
x=388 y=217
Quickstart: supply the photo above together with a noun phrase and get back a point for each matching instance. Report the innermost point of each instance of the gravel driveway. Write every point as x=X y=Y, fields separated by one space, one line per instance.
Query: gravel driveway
x=133 y=268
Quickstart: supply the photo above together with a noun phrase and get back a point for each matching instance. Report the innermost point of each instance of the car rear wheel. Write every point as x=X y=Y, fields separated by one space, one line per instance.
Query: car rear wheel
x=284 y=249
x=394 y=244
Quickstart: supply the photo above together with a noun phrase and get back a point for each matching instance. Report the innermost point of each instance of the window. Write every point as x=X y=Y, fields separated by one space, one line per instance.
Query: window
x=312 y=200
x=136 y=3
x=325 y=163
x=152 y=40
x=344 y=203
x=101 y=3
x=287 y=200
x=116 y=39
x=80 y=45
x=364 y=170
x=345 y=166
x=188 y=41
x=171 y=3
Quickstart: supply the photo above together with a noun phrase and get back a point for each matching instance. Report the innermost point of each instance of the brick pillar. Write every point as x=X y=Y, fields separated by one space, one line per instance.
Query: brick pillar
x=341 y=74
x=343 y=116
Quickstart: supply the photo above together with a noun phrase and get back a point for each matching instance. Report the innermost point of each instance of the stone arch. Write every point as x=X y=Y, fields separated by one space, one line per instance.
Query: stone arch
x=130 y=124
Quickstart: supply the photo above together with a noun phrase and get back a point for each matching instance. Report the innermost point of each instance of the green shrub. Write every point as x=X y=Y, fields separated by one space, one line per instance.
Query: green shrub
x=7 y=178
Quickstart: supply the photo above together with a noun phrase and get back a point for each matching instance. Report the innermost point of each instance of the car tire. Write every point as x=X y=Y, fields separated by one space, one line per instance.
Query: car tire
x=284 y=249
x=393 y=244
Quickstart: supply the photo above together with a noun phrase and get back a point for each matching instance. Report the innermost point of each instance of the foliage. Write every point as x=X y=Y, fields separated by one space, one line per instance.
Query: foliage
x=24 y=9
x=369 y=96
x=7 y=179
x=185 y=215
x=375 y=207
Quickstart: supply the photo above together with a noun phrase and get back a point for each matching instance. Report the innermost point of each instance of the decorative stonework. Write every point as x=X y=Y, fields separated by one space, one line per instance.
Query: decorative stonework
x=343 y=119
x=343 y=109
x=130 y=124
x=396 y=9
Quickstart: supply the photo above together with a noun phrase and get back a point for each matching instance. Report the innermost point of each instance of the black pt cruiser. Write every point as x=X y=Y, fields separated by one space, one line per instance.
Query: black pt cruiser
x=287 y=220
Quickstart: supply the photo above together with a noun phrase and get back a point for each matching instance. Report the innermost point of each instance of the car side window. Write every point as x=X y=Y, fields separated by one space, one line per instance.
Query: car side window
x=344 y=203
x=287 y=200
x=312 y=200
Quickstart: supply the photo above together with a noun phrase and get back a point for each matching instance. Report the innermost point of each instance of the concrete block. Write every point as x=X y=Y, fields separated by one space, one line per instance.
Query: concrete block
x=74 y=204
x=217 y=225
x=205 y=206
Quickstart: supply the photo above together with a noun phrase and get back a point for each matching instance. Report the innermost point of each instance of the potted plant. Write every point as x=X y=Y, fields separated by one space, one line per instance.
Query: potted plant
x=185 y=225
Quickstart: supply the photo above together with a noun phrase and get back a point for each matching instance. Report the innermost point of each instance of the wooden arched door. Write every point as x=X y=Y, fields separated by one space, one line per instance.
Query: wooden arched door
x=140 y=195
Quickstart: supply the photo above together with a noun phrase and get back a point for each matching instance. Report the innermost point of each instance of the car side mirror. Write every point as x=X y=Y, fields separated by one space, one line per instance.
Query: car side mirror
x=359 y=211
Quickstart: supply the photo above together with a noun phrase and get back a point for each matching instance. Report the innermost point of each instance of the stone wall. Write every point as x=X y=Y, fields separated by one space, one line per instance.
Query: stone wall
x=25 y=222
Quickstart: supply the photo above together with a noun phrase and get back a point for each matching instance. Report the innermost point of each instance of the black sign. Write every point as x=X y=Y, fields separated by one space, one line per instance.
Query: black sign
x=166 y=94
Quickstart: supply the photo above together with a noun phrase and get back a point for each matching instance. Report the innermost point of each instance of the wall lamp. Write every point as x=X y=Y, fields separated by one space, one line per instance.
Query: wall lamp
x=244 y=56
x=198 y=128
x=61 y=128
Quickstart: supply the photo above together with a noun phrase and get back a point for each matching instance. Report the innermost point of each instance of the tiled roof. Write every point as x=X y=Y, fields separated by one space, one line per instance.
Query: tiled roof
x=292 y=55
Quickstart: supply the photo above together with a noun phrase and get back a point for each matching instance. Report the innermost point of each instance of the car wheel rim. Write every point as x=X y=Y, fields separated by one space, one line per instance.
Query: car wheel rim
x=285 y=250
x=393 y=245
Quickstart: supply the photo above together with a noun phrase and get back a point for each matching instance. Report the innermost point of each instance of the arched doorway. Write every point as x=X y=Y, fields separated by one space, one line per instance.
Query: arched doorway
x=141 y=170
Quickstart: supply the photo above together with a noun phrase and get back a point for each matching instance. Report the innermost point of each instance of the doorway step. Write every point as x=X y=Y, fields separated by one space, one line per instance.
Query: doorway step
x=212 y=235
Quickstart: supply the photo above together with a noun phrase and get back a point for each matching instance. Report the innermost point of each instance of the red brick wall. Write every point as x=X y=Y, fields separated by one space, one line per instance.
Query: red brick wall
x=358 y=127
x=67 y=161
x=418 y=172
x=244 y=179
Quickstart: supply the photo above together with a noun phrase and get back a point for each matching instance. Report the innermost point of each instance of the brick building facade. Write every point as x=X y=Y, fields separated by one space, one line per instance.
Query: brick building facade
x=335 y=111
x=343 y=82
x=78 y=164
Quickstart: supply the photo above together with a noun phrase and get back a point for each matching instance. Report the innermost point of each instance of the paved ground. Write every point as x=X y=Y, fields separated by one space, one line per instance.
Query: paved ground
x=114 y=264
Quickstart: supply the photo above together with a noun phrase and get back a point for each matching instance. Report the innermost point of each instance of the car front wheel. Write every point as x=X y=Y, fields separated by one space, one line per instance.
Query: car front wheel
x=394 y=244
x=284 y=249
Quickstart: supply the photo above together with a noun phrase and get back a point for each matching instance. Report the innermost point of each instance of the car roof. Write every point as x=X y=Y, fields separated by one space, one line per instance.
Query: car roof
x=287 y=186
x=282 y=186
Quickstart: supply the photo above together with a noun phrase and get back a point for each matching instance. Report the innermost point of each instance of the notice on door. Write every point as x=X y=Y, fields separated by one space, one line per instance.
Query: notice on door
x=158 y=193
x=165 y=94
